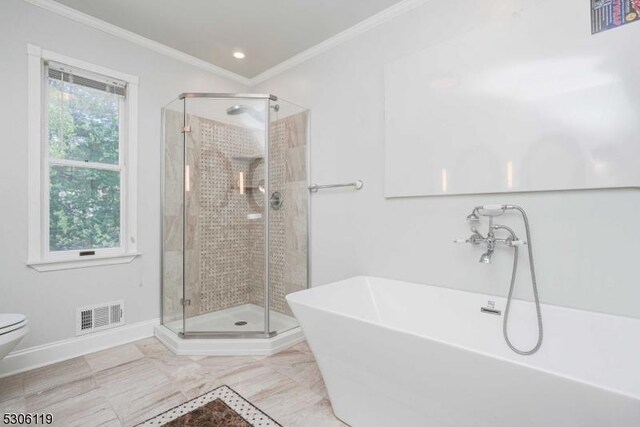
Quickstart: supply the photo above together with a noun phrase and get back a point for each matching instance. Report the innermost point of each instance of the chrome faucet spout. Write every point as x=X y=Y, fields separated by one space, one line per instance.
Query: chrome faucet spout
x=485 y=258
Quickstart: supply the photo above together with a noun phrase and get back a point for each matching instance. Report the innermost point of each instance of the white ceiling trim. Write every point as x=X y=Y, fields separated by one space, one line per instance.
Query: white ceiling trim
x=361 y=27
x=114 y=30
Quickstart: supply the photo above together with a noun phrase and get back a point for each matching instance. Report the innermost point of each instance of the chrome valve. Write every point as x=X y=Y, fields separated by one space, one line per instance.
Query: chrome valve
x=490 y=240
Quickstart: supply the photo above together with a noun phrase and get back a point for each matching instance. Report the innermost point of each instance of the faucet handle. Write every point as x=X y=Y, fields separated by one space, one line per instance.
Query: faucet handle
x=461 y=241
x=517 y=243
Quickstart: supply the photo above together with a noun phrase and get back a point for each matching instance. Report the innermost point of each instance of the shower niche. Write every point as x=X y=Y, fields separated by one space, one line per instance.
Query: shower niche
x=235 y=222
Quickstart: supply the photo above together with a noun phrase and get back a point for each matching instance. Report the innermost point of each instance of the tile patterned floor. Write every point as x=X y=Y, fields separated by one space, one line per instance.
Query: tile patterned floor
x=125 y=385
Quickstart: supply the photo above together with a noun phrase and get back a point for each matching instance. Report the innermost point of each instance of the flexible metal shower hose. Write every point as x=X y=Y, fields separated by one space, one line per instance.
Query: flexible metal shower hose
x=505 y=321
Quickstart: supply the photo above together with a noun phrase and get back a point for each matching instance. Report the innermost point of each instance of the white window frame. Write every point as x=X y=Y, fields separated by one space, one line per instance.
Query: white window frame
x=39 y=256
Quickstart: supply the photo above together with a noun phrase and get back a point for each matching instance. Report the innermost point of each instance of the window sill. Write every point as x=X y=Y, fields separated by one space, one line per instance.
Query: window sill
x=82 y=263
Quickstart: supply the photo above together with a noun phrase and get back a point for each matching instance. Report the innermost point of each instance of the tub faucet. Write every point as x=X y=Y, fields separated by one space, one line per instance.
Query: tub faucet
x=512 y=241
x=490 y=240
x=485 y=258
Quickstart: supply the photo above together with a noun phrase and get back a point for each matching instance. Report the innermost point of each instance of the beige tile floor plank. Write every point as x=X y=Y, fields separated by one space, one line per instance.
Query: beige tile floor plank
x=284 y=399
x=138 y=408
x=253 y=379
x=11 y=387
x=153 y=348
x=302 y=370
x=113 y=357
x=130 y=377
x=16 y=405
x=88 y=409
x=288 y=357
x=179 y=369
x=38 y=401
x=54 y=375
x=303 y=346
x=183 y=370
x=221 y=365
x=175 y=366
x=319 y=387
x=198 y=386
x=191 y=379
x=298 y=364
x=318 y=414
x=137 y=390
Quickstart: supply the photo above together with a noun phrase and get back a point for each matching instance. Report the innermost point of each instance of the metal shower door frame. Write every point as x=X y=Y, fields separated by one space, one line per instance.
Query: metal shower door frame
x=266 y=333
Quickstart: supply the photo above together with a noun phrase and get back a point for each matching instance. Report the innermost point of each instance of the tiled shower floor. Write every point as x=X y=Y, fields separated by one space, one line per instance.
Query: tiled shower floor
x=225 y=320
x=131 y=383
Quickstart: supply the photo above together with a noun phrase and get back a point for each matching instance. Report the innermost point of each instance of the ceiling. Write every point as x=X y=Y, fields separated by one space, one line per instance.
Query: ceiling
x=267 y=31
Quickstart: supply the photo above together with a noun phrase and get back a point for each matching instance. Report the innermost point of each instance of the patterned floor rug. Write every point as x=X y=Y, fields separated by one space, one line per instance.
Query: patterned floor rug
x=221 y=407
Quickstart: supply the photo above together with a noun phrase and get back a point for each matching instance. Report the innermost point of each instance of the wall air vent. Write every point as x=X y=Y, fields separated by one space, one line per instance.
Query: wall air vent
x=98 y=317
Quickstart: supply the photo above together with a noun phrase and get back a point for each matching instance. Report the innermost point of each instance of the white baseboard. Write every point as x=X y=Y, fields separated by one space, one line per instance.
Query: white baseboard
x=46 y=354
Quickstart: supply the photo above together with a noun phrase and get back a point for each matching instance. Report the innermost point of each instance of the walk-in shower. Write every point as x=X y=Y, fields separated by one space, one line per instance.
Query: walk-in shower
x=235 y=222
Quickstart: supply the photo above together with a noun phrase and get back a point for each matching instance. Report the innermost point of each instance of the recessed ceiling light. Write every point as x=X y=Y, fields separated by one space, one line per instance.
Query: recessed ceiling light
x=238 y=55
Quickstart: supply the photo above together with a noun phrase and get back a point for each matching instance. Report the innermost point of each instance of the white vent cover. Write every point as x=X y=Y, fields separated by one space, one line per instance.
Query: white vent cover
x=94 y=318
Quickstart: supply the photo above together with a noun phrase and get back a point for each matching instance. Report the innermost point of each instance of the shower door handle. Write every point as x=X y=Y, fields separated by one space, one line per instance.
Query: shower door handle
x=276 y=200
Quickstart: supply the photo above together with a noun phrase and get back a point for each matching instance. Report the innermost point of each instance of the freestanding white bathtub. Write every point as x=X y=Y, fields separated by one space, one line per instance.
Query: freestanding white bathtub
x=401 y=354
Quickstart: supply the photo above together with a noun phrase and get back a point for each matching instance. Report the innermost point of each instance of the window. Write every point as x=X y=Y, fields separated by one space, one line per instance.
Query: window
x=82 y=163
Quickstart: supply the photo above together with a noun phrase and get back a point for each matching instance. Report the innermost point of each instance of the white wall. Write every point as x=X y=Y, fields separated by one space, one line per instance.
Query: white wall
x=49 y=299
x=586 y=243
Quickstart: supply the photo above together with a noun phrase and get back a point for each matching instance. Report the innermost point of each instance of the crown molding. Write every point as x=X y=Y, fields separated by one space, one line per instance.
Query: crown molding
x=359 y=28
x=114 y=30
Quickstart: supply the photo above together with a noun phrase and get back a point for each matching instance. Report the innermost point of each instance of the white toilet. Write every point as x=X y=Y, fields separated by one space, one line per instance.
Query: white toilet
x=13 y=327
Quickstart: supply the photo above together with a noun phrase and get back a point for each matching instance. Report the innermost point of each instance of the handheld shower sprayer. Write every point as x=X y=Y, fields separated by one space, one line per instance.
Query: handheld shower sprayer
x=473 y=217
x=492 y=211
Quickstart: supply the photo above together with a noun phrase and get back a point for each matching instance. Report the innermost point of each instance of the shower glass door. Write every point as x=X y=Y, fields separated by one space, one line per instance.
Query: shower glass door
x=224 y=235
x=172 y=215
x=288 y=220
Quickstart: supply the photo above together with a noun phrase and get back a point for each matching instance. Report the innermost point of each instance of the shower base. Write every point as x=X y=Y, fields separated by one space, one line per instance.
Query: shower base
x=288 y=333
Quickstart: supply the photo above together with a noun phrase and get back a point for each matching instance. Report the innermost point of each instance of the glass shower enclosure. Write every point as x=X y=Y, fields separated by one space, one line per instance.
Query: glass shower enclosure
x=235 y=214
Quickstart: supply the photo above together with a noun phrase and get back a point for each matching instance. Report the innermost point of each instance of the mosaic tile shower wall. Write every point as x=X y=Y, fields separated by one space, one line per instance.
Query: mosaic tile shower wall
x=288 y=225
x=224 y=247
x=224 y=228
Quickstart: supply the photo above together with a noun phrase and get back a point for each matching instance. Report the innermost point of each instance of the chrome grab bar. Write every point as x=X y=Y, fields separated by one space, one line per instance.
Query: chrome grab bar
x=357 y=185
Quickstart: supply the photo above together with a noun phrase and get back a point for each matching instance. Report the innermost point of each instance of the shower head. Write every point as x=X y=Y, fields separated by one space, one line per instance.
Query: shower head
x=237 y=109
x=473 y=217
